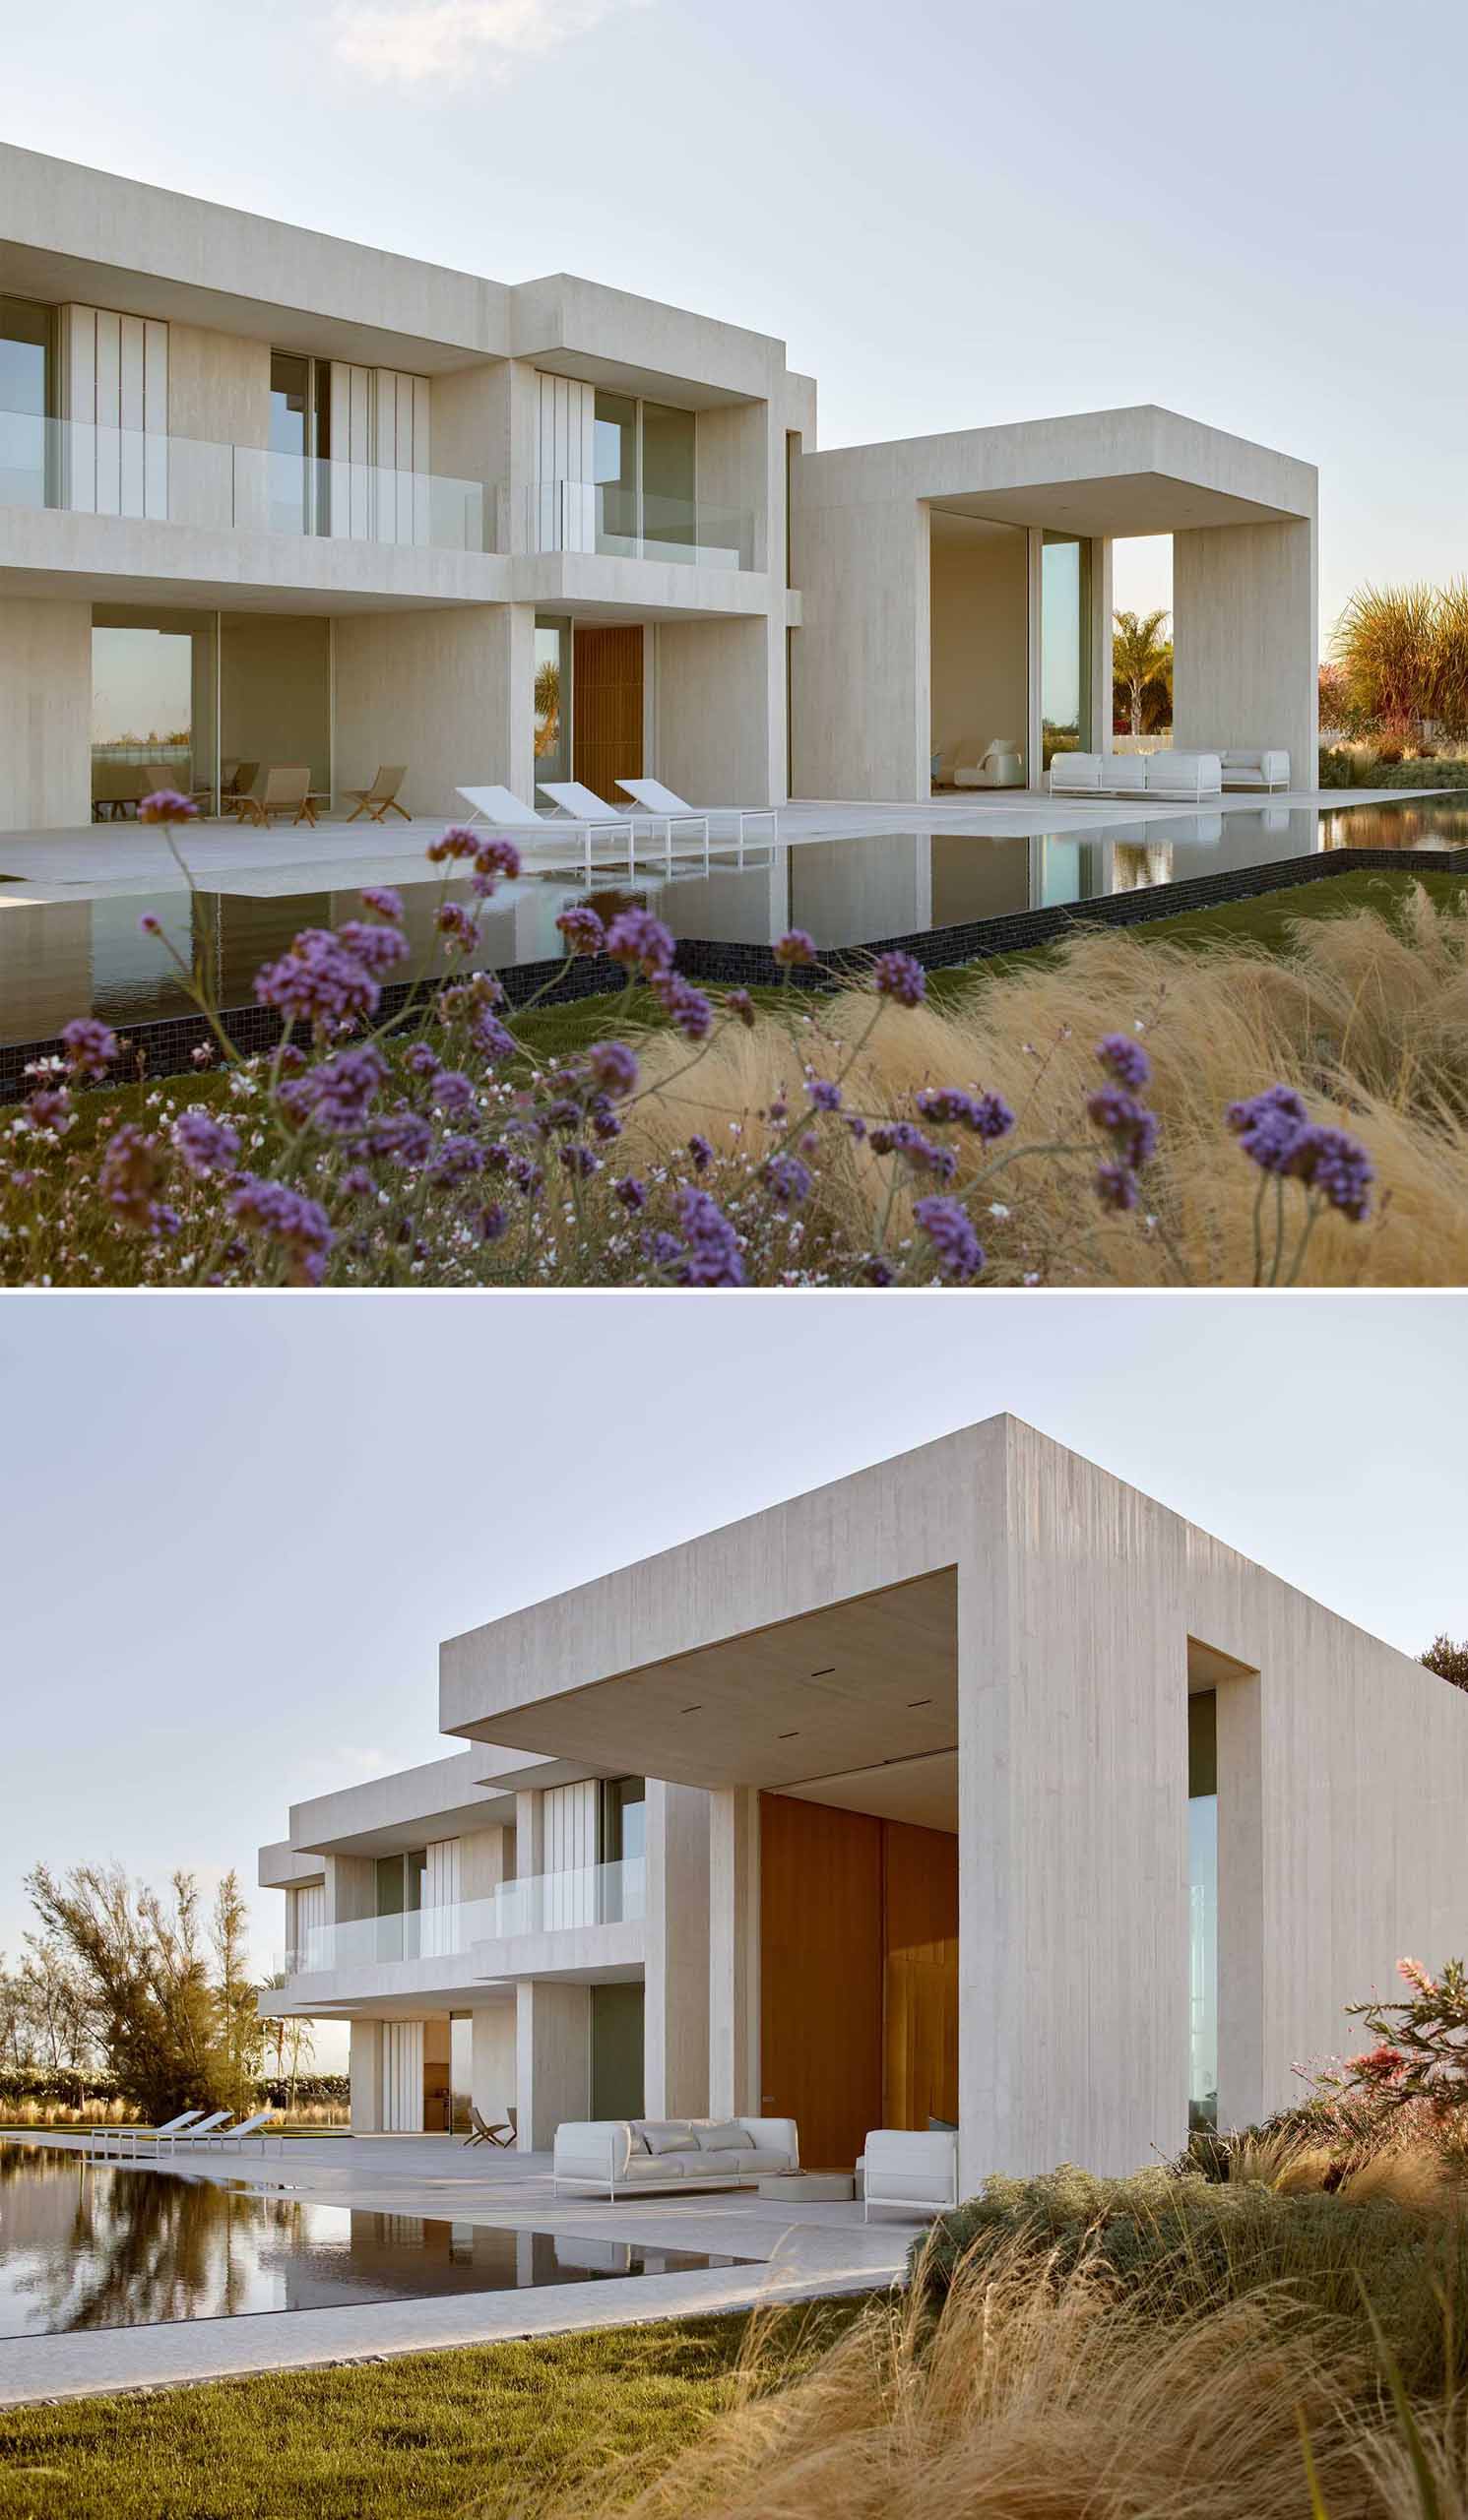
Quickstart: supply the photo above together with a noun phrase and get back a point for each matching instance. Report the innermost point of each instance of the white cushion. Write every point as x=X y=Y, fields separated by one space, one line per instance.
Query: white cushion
x=730 y=2136
x=670 y=2139
x=1126 y=770
x=710 y=2163
x=763 y=2158
x=643 y=2165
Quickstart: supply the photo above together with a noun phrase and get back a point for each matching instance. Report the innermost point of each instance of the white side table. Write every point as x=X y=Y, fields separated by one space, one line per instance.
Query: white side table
x=810 y=2187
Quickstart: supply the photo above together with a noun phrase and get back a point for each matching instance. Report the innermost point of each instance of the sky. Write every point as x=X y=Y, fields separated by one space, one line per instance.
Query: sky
x=953 y=214
x=235 y=1528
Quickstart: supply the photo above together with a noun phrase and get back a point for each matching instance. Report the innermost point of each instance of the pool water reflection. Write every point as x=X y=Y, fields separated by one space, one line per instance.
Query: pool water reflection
x=66 y=958
x=85 y=2246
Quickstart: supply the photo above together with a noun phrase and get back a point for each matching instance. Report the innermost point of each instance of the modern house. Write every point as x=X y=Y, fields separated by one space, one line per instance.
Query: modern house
x=271 y=498
x=975 y=1786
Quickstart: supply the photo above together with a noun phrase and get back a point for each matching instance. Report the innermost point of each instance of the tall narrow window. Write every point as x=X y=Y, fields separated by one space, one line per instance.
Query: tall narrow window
x=553 y=698
x=299 y=443
x=670 y=516
x=27 y=401
x=1202 y=1892
x=616 y=474
x=1064 y=645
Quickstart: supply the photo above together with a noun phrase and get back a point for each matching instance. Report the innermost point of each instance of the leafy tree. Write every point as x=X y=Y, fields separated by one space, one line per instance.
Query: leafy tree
x=1448 y=1661
x=173 y=2039
x=1141 y=656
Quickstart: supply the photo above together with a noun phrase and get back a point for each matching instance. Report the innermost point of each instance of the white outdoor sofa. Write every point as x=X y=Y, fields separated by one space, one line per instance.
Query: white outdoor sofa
x=1187 y=774
x=912 y=2170
x=1255 y=769
x=667 y=2155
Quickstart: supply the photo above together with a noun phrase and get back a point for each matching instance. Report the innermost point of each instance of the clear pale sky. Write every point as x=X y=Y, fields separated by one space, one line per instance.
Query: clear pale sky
x=234 y=1529
x=952 y=214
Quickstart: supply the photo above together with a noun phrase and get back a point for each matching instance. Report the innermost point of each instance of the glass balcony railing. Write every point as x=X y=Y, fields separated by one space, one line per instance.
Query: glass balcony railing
x=597 y=1894
x=185 y=481
x=603 y=517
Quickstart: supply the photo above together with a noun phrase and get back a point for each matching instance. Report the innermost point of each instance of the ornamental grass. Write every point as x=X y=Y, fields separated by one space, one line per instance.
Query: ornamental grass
x=1121 y=1114
x=1151 y=2349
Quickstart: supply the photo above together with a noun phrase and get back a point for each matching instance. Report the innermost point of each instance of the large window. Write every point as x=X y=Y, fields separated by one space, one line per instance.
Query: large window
x=1202 y=1892
x=152 y=706
x=646 y=472
x=26 y=402
x=1064 y=645
x=553 y=698
x=299 y=443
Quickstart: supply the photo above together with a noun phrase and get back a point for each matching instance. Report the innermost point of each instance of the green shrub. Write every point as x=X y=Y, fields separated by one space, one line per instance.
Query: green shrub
x=1192 y=2243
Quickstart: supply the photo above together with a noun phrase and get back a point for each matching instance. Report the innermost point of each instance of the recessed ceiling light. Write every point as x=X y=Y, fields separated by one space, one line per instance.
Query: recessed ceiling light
x=787 y=1736
x=919 y=1701
x=694 y=1710
x=824 y=1672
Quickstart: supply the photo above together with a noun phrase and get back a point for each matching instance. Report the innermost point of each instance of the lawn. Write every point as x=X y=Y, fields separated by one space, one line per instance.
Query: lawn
x=487 y=2431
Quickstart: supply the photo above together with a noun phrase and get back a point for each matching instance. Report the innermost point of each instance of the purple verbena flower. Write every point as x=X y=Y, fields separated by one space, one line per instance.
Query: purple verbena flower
x=422 y=1059
x=739 y=1002
x=631 y=1192
x=988 y=1115
x=382 y=898
x=712 y=1256
x=490 y=1037
x=207 y=1145
x=496 y=858
x=338 y=1093
x=582 y=929
x=793 y=949
x=377 y=949
x=1124 y=1061
x=1338 y=1166
x=166 y=806
x=787 y=1179
x=458 y=927
x=701 y=1152
x=686 y=1006
x=898 y=976
x=640 y=941
x=1130 y=1126
x=898 y=1137
x=401 y=1137
x=319 y=981
x=150 y=924
x=453 y=1091
x=89 y=1046
x=49 y=1107
x=956 y=1247
x=493 y=1222
x=1268 y=1125
x=455 y=842
x=456 y=1160
x=580 y=1161
x=292 y=1220
x=825 y=1095
x=612 y=1066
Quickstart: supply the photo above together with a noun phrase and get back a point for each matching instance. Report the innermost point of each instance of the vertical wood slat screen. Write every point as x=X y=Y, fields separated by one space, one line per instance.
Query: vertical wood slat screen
x=441 y=1892
x=305 y=1913
x=351 y=451
x=403 y=457
x=570 y=1851
x=606 y=707
x=566 y=465
x=115 y=399
x=402 y=2077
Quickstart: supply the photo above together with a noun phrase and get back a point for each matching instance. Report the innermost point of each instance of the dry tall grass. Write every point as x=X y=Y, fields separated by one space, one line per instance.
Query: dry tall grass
x=1032 y=2399
x=1366 y=1016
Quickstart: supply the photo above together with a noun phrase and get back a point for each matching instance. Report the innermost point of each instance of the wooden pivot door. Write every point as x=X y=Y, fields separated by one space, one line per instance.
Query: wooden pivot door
x=606 y=707
x=920 y=2006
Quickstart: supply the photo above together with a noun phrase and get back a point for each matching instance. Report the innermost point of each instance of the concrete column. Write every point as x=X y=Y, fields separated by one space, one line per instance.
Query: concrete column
x=366 y=2076
x=1245 y=640
x=1098 y=738
x=1243 y=2080
x=45 y=716
x=493 y=2083
x=351 y=1888
x=482 y=1862
x=552 y=2057
x=733 y=1951
x=676 y=2020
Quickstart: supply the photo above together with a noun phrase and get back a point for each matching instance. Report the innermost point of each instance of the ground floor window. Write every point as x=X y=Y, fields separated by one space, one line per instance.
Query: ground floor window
x=617 y=2051
x=208 y=703
x=1203 y=1889
x=553 y=698
x=1064 y=645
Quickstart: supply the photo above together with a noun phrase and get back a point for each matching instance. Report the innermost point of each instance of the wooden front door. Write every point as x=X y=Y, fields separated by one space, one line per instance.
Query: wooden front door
x=606 y=708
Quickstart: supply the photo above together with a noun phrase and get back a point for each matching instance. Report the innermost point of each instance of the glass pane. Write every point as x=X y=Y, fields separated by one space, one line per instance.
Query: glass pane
x=151 y=683
x=1064 y=645
x=390 y=1885
x=290 y=441
x=1202 y=1885
x=461 y=2070
x=669 y=479
x=26 y=398
x=553 y=699
x=615 y=471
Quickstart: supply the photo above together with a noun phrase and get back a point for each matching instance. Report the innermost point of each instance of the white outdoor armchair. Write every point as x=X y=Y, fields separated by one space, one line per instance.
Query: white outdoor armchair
x=913 y=2171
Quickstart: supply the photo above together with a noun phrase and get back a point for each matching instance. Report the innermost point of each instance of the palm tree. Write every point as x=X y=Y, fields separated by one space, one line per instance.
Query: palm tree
x=1139 y=655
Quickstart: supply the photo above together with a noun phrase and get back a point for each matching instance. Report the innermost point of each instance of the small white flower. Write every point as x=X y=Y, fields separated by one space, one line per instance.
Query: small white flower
x=998 y=1208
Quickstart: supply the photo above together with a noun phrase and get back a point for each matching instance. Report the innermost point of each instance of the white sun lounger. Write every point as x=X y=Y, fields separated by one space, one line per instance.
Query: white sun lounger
x=199 y=2134
x=503 y=811
x=585 y=805
x=658 y=800
x=130 y=2138
x=250 y=2130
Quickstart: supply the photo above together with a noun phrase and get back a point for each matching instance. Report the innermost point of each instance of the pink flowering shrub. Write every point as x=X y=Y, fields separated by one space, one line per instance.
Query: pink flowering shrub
x=433 y=1146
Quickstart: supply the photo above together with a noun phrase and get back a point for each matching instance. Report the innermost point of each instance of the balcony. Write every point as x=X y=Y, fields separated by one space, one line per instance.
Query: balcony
x=75 y=465
x=599 y=1894
x=601 y=517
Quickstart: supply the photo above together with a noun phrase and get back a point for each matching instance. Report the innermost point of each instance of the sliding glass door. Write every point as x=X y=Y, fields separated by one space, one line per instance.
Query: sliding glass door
x=1064 y=646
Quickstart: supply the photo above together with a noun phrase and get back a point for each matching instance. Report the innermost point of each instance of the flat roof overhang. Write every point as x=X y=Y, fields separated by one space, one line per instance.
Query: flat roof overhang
x=868 y=1683
x=1119 y=504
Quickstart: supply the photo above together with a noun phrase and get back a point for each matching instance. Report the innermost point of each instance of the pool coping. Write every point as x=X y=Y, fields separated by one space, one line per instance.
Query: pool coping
x=164 y=1045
